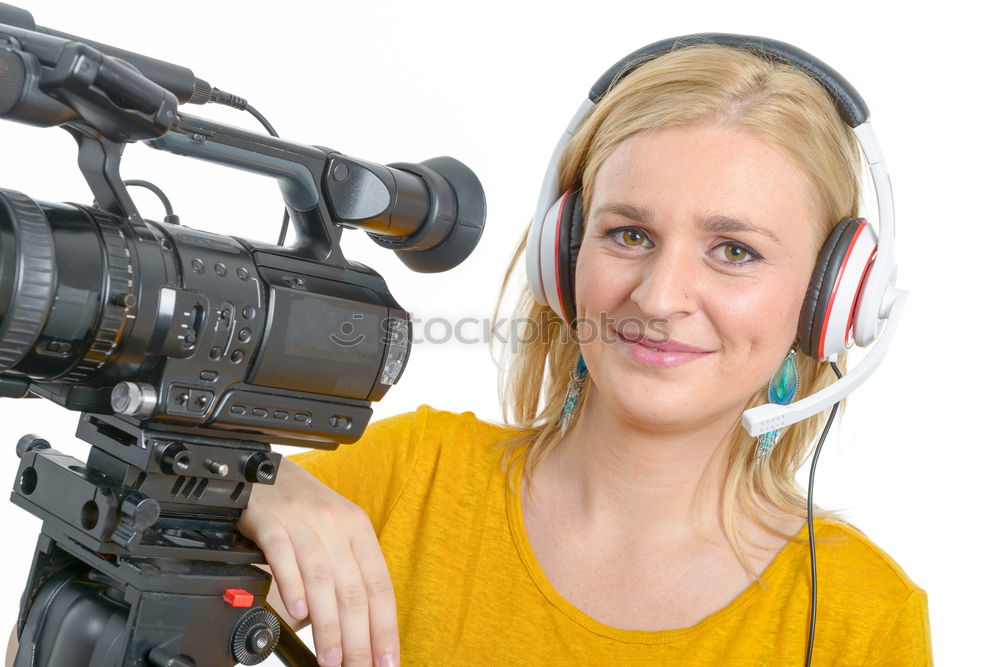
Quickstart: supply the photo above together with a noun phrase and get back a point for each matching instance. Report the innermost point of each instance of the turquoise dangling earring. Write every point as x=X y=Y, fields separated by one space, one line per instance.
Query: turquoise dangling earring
x=781 y=390
x=576 y=378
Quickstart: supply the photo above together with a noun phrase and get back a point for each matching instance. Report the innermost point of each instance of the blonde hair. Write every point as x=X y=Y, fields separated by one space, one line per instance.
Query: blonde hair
x=697 y=84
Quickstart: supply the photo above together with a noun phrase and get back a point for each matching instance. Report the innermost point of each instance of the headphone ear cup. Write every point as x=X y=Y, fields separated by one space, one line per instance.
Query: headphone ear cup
x=571 y=236
x=543 y=257
x=816 y=303
x=827 y=308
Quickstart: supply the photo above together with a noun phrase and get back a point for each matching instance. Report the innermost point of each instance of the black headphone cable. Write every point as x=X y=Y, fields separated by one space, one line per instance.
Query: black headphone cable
x=809 y=520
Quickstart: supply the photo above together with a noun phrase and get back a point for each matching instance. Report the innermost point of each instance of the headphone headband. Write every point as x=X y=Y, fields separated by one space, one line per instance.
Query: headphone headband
x=850 y=105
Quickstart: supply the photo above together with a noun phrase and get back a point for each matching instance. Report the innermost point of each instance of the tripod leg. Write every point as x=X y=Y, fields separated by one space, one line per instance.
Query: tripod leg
x=68 y=623
x=291 y=650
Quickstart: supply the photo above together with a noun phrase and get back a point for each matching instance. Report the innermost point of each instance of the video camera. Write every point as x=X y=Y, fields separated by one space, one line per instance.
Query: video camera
x=186 y=352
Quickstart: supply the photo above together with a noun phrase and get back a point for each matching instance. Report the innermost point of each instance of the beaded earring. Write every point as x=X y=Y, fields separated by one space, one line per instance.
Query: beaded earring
x=576 y=378
x=781 y=389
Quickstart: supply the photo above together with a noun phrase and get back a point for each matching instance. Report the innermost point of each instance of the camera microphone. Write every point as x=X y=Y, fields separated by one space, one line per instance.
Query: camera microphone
x=180 y=81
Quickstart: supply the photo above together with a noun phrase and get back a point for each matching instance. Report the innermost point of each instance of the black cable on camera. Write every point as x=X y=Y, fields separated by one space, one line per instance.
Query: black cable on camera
x=236 y=102
x=170 y=218
x=227 y=99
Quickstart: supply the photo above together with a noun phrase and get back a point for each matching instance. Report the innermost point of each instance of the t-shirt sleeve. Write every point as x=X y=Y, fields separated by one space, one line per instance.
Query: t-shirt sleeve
x=907 y=639
x=372 y=472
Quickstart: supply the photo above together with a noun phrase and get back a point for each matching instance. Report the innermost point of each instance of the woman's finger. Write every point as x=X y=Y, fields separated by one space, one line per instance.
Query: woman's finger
x=384 y=626
x=352 y=603
x=316 y=568
x=272 y=538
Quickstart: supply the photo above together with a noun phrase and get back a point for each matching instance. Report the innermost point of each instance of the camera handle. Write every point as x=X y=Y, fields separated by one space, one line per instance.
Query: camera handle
x=99 y=160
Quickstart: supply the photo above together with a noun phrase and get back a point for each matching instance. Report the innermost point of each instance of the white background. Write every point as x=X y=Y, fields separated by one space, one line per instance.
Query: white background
x=493 y=85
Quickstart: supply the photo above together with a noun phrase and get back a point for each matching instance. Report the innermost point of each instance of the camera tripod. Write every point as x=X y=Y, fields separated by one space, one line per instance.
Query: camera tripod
x=139 y=561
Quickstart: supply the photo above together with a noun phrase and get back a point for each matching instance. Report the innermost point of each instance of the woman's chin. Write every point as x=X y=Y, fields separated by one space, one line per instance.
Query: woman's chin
x=651 y=405
x=645 y=411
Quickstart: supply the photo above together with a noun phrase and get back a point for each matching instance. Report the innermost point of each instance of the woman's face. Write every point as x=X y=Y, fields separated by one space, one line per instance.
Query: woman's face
x=702 y=236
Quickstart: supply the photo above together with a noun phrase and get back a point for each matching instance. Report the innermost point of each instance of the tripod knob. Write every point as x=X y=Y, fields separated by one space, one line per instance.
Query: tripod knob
x=29 y=443
x=255 y=636
x=137 y=513
x=140 y=510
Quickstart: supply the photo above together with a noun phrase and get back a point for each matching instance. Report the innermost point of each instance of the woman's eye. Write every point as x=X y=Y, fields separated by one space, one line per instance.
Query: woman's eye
x=736 y=253
x=630 y=237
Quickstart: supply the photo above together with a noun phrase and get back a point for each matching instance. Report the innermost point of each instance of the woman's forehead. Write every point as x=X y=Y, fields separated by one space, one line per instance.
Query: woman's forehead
x=729 y=179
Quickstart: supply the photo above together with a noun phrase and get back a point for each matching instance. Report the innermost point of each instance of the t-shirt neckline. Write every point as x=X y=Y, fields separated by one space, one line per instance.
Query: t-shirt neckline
x=519 y=533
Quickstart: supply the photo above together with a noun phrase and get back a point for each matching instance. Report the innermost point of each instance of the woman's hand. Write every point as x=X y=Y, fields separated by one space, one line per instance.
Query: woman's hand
x=328 y=567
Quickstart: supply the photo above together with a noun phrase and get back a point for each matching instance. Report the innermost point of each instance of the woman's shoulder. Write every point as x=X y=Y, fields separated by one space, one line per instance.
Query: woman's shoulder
x=450 y=427
x=411 y=435
x=427 y=423
x=414 y=451
x=846 y=554
x=865 y=594
x=433 y=437
x=458 y=454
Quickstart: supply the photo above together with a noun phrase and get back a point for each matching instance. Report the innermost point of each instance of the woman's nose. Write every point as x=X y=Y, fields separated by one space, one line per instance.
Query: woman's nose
x=667 y=281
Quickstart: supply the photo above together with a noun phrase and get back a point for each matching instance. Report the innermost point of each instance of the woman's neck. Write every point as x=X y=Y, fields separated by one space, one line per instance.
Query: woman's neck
x=654 y=480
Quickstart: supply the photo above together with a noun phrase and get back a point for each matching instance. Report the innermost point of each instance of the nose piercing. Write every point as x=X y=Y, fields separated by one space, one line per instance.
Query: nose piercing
x=686 y=296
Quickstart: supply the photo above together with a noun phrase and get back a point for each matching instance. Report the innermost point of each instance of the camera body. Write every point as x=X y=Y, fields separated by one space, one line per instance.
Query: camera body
x=104 y=312
x=195 y=331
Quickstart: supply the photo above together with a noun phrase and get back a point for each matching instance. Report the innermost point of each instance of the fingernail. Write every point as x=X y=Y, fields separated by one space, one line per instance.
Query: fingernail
x=332 y=658
x=299 y=609
x=387 y=660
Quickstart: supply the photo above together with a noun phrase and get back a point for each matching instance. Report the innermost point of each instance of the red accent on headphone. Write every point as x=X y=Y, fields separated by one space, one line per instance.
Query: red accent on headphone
x=820 y=349
x=556 y=264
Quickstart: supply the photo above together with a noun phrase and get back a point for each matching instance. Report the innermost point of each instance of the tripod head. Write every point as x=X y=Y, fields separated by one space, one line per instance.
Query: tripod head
x=146 y=531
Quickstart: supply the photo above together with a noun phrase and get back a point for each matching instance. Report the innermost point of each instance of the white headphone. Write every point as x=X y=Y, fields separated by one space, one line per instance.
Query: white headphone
x=853 y=286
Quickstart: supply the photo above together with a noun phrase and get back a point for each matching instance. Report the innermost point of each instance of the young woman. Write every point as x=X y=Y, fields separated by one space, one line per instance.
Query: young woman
x=622 y=516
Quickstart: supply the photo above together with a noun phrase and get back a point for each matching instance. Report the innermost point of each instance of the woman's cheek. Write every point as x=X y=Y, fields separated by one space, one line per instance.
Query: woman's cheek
x=756 y=313
x=592 y=292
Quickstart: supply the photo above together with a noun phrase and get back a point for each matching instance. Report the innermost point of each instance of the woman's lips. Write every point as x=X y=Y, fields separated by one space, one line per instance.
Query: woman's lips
x=664 y=354
x=660 y=344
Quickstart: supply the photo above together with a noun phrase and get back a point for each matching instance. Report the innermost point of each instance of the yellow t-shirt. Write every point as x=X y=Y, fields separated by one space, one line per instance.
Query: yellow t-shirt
x=470 y=592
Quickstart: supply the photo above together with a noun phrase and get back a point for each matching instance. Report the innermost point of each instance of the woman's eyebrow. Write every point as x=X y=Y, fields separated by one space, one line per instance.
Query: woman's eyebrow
x=717 y=224
x=637 y=213
x=723 y=224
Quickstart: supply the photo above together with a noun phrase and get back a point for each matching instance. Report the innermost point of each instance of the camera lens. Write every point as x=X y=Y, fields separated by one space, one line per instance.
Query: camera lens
x=65 y=289
x=27 y=275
